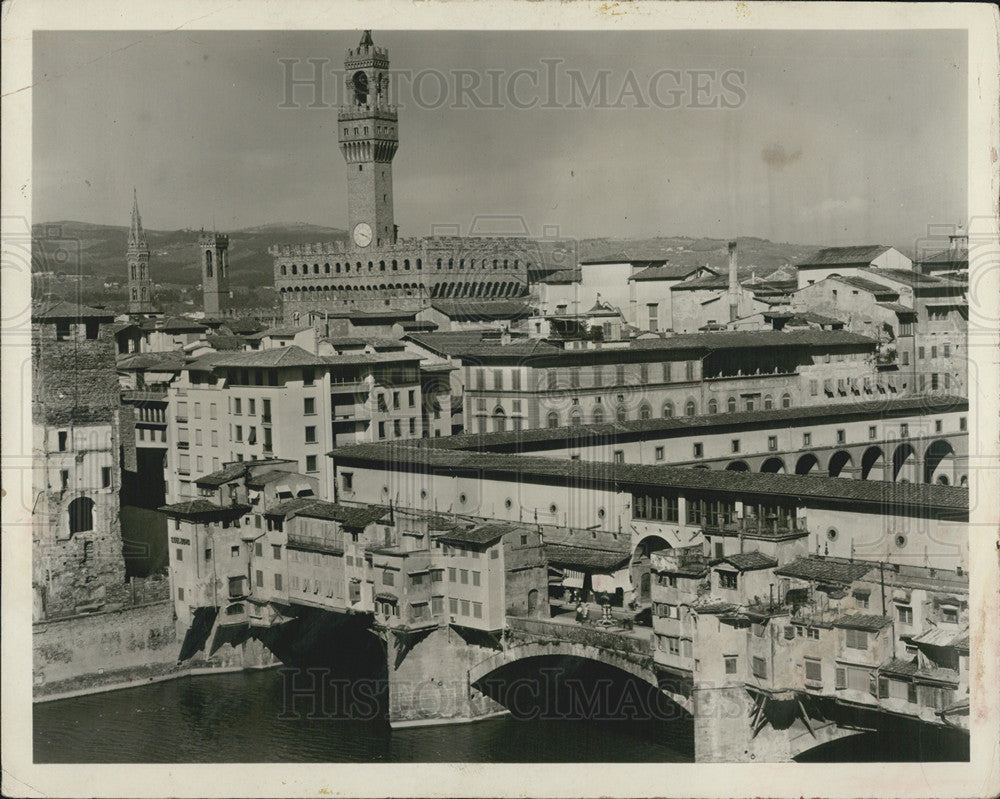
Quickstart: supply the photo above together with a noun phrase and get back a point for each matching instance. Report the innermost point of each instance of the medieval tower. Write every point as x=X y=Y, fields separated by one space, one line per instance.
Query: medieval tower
x=369 y=137
x=140 y=284
x=214 y=248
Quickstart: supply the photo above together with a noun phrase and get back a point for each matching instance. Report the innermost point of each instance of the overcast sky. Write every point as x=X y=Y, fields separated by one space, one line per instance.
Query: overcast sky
x=817 y=137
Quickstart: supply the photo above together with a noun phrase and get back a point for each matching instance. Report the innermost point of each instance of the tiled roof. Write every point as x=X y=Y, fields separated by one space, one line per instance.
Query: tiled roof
x=911 y=668
x=68 y=310
x=584 y=557
x=202 y=507
x=222 y=342
x=152 y=361
x=862 y=621
x=846 y=256
x=479 y=534
x=705 y=423
x=420 y=456
x=271 y=476
x=285 y=330
x=448 y=342
x=747 y=276
x=750 y=561
x=623 y=257
x=957 y=258
x=481 y=309
x=348 y=516
x=427 y=325
x=666 y=271
x=230 y=472
x=279 y=356
x=940 y=636
x=174 y=324
x=912 y=277
x=714 y=608
x=826 y=570
x=871 y=286
x=562 y=277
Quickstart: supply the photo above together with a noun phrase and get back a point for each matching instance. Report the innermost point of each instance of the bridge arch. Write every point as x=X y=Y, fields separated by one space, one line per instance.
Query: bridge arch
x=939 y=463
x=841 y=464
x=541 y=649
x=806 y=463
x=904 y=464
x=773 y=466
x=873 y=464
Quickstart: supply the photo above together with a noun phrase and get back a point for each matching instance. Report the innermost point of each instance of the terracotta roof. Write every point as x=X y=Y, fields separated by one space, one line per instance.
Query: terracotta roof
x=714 y=608
x=957 y=258
x=286 y=330
x=861 y=255
x=230 y=472
x=826 y=570
x=750 y=561
x=911 y=668
x=279 y=356
x=666 y=271
x=400 y=455
x=271 y=476
x=479 y=534
x=896 y=307
x=584 y=558
x=68 y=310
x=312 y=508
x=467 y=310
x=862 y=621
x=202 y=507
x=623 y=257
x=705 y=423
x=871 y=286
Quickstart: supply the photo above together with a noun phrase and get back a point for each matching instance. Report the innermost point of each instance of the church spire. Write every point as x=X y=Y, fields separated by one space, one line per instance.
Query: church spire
x=366 y=39
x=136 y=235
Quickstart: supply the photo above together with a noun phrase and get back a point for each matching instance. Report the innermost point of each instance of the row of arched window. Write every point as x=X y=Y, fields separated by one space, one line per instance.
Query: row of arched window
x=345 y=268
x=749 y=403
x=145 y=293
x=486 y=290
x=667 y=410
x=140 y=273
x=497 y=263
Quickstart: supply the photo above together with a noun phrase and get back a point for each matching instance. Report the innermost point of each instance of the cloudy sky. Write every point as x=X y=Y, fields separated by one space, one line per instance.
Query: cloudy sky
x=808 y=137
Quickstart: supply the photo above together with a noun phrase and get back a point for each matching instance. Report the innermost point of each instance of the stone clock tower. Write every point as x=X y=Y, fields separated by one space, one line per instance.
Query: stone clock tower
x=368 y=132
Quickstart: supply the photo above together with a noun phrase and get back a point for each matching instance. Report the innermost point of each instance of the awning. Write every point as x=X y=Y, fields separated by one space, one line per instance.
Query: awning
x=386 y=596
x=572 y=578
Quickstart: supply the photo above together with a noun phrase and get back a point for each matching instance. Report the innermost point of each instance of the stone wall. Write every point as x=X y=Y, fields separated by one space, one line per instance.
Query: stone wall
x=431 y=683
x=79 y=646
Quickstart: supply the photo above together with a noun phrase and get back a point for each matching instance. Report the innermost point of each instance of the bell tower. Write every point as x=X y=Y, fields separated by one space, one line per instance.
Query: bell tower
x=214 y=250
x=140 y=284
x=368 y=133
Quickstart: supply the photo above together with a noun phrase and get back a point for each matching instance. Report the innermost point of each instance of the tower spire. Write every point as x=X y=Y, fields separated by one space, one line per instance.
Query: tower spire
x=366 y=39
x=136 y=236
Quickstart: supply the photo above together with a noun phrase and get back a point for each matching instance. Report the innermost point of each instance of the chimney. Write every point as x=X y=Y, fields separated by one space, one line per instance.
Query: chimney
x=734 y=285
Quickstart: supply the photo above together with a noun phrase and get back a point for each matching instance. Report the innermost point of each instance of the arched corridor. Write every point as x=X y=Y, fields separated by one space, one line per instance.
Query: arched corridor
x=841 y=464
x=773 y=466
x=806 y=464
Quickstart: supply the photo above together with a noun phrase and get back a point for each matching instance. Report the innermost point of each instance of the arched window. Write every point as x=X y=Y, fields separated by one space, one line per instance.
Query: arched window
x=284 y=269
x=576 y=417
x=315 y=269
x=645 y=411
x=406 y=264
x=668 y=409
x=135 y=294
x=499 y=420
x=553 y=419
x=144 y=292
x=381 y=266
x=295 y=269
x=598 y=415
x=81 y=515
x=768 y=402
x=786 y=400
x=208 y=263
x=731 y=405
x=621 y=414
x=690 y=409
x=326 y=268
x=133 y=271
x=419 y=264
x=713 y=406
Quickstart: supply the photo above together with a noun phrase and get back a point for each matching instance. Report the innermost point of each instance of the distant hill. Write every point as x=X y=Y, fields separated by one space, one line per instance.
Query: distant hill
x=99 y=251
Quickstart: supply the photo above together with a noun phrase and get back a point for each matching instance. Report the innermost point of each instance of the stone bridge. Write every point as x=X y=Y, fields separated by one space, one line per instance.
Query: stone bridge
x=629 y=651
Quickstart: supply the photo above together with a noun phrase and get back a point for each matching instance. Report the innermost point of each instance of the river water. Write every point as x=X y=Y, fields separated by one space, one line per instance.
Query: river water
x=237 y=718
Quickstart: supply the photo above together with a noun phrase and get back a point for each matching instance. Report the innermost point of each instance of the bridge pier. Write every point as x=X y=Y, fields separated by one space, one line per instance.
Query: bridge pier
x=429 y=678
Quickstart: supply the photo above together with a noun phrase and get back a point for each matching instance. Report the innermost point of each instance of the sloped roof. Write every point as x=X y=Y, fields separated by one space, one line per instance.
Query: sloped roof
x=750 y=561
x=957 y=258
x=290 y=356
x=463 y=309
x=826 y=570
x=862 y=621
x=624 y=257
x=312 y=508
x=422 y=456
x=59 y=310
x=666 y=271
x=478 y=534
x=584 y=558
x=861 y=255
x=193 y=508
x=911 y=668
x=871 y=286
x=285 y=330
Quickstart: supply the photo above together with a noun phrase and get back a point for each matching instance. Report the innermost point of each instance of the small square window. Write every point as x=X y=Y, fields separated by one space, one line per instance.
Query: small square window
x=699 y=450
x=659 y=453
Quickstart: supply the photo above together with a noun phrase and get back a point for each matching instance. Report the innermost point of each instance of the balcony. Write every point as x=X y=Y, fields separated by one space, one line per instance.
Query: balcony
x=145 y=395
x=333 y=545
x=768 y=527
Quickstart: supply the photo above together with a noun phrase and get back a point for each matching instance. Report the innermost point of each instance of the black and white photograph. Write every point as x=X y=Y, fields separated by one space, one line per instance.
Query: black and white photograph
x=529 y=398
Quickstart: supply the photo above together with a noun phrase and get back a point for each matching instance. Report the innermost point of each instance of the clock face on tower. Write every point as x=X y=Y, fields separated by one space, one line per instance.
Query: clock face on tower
x=362 y=234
